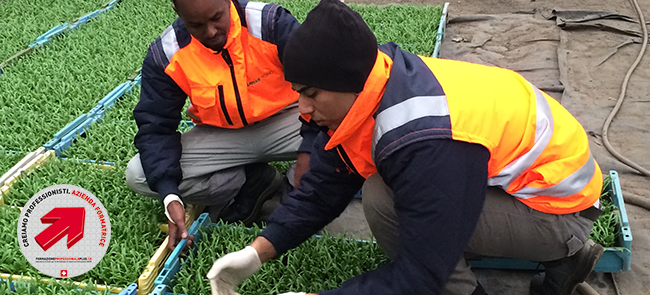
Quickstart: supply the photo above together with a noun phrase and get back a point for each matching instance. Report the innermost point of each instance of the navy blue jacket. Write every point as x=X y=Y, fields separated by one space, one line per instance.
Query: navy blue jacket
x=439 y=186
x=158 y=112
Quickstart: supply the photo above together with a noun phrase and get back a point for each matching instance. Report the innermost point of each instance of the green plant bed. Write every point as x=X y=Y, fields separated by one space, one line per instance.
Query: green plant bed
x=9 y=159
x=317 y=264
x=11 y=259
x=413 y=27
x=111 y=139
x=135 y=235
x=23 y=21
x=63 y=287
x=57 y=83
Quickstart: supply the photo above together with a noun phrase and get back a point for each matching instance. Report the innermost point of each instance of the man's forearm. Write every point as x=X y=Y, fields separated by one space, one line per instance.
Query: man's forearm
x=264 y=249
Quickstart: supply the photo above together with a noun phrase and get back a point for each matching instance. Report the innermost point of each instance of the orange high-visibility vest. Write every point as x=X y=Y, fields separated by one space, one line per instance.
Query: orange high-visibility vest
x=539 y=152
x=239 y=86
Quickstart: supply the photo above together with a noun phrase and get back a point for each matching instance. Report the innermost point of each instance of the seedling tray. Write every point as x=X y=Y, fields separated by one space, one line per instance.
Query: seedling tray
x=130 y=290
x=319 y=266
x=146 y=281
x=26 y=280
x=24 y=166
x=173 y=263
x=614 y=259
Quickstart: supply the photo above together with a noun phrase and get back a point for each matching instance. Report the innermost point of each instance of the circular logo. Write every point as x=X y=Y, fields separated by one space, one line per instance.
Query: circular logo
x=64 y=231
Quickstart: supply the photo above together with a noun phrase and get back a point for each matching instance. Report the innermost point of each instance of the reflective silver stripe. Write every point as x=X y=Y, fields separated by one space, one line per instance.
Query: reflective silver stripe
x=413 y=108
x=543 y=134
x=569 y=186
x=254 y=18
x=169 y=42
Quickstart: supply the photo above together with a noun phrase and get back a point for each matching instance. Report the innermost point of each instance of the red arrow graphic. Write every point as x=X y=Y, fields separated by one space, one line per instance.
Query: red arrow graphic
x=64 y=221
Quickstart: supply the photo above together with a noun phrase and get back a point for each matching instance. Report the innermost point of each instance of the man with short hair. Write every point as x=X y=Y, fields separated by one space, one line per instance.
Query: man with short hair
x=226 y=56
x=456 y=160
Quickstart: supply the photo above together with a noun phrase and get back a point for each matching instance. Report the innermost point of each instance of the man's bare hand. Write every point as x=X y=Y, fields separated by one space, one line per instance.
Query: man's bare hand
x=177 y=231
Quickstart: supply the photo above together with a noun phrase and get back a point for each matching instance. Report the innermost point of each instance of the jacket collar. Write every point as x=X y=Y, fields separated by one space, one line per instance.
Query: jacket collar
x=366 y=103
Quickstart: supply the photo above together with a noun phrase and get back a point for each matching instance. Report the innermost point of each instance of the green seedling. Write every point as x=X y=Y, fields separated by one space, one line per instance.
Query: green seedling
x=75 y=72
x=9 y=159
x=11 y=259
x=23 y=21
x=62 y=287
x=111 y=139
x=318 y=264
x=606 y=228
x=413 y=27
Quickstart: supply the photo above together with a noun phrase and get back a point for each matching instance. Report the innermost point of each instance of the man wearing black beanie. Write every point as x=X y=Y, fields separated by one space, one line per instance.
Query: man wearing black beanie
x=340 y=58
x=454 y=158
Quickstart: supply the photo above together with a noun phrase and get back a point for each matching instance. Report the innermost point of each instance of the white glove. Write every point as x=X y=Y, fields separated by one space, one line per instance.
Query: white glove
x=229 y=271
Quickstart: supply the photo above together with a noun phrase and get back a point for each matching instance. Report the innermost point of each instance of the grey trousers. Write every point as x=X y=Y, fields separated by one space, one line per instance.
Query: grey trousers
x=212 y=158
x=506 y=228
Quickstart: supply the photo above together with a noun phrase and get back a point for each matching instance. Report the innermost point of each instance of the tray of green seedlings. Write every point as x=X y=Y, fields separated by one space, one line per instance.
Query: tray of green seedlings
x=320 y=263
x=9 y=159
x=612 y=230
x=111 y=138
x=62 y=287
x=11 y=259
x=135 y=235
x=413 y=27
x=76 y=72
x=23 y=21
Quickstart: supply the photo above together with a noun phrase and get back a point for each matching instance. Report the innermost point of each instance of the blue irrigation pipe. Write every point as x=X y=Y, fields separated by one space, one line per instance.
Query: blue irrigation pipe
x=65 y=27
x=441 y=30
x=85 y=161
x=58 y=30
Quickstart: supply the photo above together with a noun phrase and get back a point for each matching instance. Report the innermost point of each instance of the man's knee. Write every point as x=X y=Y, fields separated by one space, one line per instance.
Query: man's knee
x=135 y=177
x=377 y=200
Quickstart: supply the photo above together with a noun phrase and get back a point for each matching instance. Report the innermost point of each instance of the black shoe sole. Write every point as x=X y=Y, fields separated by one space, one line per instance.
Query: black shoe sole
x=266 y=195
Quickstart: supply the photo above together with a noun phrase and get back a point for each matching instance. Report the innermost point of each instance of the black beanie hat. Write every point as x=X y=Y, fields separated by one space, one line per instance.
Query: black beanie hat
x=332 y=50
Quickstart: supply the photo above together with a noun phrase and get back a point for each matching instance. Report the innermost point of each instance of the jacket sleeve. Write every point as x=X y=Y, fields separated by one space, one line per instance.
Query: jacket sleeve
x=439 y=188
x=285 y=24
x=157 y=115
x=325 y=191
